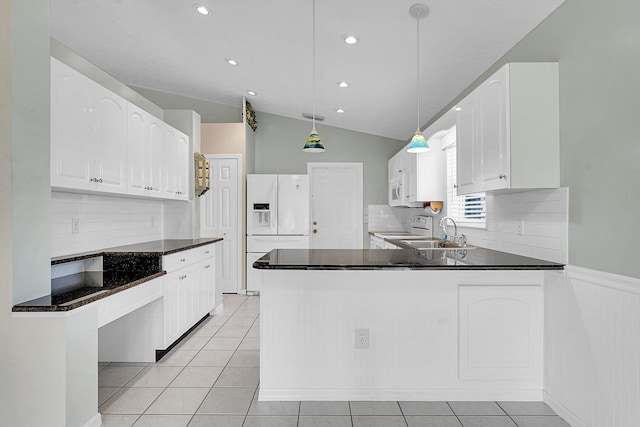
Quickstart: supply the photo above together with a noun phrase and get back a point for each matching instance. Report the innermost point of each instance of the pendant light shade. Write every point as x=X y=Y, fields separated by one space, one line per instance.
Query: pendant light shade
x=418 y=142
x=314 y=144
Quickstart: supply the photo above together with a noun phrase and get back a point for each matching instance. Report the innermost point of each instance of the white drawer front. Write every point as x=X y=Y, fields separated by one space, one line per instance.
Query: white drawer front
x=123 y=303
x=203 y=252
x=178 y=260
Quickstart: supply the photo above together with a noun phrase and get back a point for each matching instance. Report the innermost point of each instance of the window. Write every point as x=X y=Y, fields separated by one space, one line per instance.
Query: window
x=466 y=210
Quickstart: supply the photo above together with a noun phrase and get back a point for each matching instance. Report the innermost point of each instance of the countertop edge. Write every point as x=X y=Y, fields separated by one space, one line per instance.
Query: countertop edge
x=87 y=300
x=114 y=251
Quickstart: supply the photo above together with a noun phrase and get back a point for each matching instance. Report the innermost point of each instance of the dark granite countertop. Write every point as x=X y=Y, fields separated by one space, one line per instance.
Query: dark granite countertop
x=399 y=259
x=79 y=289
x=124 y=267
x=156 y=247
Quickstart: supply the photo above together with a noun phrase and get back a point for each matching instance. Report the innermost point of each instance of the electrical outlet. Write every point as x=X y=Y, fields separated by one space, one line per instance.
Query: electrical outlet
x=521 y=227
x=362 y=338
x=75 y=225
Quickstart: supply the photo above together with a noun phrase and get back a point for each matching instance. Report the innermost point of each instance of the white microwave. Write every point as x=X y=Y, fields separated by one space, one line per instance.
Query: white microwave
x=396 y=192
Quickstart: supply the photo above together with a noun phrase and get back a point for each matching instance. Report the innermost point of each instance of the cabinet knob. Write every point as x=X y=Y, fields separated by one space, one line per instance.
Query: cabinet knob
x=502 y=176
x=315 y=222
x=315 y=231
x=100 y=180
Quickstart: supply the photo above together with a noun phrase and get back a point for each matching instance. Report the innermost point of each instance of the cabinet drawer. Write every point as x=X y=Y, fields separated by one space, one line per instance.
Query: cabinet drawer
x=182 y=259
x=123 y=303
x=203 y=252
x=178 y=260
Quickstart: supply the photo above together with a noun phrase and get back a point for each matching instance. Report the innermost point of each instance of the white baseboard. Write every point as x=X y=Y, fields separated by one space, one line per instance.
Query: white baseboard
x=95 y=421
x=399 y=395
x=561 y=410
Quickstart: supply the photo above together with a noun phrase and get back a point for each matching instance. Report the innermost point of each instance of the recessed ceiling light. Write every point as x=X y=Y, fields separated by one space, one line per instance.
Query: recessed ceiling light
x=252 y=93
x=350 y=39
x=202 y=10
x=231 y=61
x=340 y=110
x=343 y=84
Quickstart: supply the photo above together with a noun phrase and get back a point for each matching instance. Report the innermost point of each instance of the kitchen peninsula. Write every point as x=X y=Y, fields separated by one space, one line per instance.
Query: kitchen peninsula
x=401 y=325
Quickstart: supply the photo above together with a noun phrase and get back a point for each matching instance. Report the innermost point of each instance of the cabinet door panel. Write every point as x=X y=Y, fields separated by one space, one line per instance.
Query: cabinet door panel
x=467 y=145
x=72 y=129
x=137 y=137
x=154 y=156
x=500 y=332
x=110 y=149
x=492 y=127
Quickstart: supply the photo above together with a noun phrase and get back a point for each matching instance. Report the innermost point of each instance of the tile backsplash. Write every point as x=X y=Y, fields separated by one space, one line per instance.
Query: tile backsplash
x=106 y=221
x=544 y=214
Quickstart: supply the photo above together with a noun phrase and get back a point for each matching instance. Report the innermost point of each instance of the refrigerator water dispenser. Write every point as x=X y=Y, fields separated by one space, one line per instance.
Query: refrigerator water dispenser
x=261 y=215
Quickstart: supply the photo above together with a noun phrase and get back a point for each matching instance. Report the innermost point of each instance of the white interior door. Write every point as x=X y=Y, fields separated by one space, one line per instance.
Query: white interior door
x=220 y=217
x=336 y=205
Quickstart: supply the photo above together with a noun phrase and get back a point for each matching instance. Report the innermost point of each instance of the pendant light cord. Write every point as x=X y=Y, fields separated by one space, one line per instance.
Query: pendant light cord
x=313 y=112
x=417 y=65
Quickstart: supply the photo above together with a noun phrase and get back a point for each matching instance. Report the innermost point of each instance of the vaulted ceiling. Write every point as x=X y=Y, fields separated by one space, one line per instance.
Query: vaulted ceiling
x=167 y=46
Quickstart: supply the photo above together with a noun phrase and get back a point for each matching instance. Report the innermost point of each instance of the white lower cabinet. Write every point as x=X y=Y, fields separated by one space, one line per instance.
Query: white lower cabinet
x=500 y=332
x=189 y=292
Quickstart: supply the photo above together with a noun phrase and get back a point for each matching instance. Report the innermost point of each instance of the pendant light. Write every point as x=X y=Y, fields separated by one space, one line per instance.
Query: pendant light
x=418 y=142
x=314 y=145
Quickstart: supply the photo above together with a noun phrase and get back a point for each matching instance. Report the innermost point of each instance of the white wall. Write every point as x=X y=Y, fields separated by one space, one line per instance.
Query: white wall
x=592 y=347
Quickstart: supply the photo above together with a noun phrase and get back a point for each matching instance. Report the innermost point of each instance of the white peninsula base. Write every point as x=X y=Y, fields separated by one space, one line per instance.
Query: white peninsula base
x=433 y=335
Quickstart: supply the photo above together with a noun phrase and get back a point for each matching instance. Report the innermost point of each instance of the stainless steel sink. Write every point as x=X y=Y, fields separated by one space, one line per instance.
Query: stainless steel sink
x=433 y=245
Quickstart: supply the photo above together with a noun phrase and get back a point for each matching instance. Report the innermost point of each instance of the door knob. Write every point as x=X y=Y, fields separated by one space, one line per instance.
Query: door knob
x=315 y=231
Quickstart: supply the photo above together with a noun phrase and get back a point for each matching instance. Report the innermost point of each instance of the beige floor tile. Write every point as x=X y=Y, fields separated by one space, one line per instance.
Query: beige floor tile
x=207 y=420
x=105 y=393
x=117 y=376
x=177 y=358
x=238 y=377
x=246 y=358
x=130 y=401
x=193 y=343
x=155 y=376
x=324 y=421
x=274 y=408
x=250 y=343
x=178 y=401
x=324 y=408
x=232 y=332
x=270 y=421
x=211 y=358
x=112 y=420
x=234 y=400
x=163 y=421
x=197 y=376
x=254 y=332
x=219 y=343
x=240 y=321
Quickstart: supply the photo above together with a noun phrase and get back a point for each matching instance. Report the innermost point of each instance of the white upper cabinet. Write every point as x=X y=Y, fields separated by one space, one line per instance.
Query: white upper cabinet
x=175 y=166
x=144 y=153
x=109 y=148
x=508 y=131
x=72 y=121
x=101 y=143
x=88 y=130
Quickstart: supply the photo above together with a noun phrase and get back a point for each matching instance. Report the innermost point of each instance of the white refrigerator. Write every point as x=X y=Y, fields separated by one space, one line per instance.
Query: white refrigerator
x=277 y=218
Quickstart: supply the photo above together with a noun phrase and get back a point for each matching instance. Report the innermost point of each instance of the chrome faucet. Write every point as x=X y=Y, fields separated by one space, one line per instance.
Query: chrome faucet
x=443 y=225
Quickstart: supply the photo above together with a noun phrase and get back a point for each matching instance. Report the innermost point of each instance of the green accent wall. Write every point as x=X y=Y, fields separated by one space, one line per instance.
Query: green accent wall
x=597 y=46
